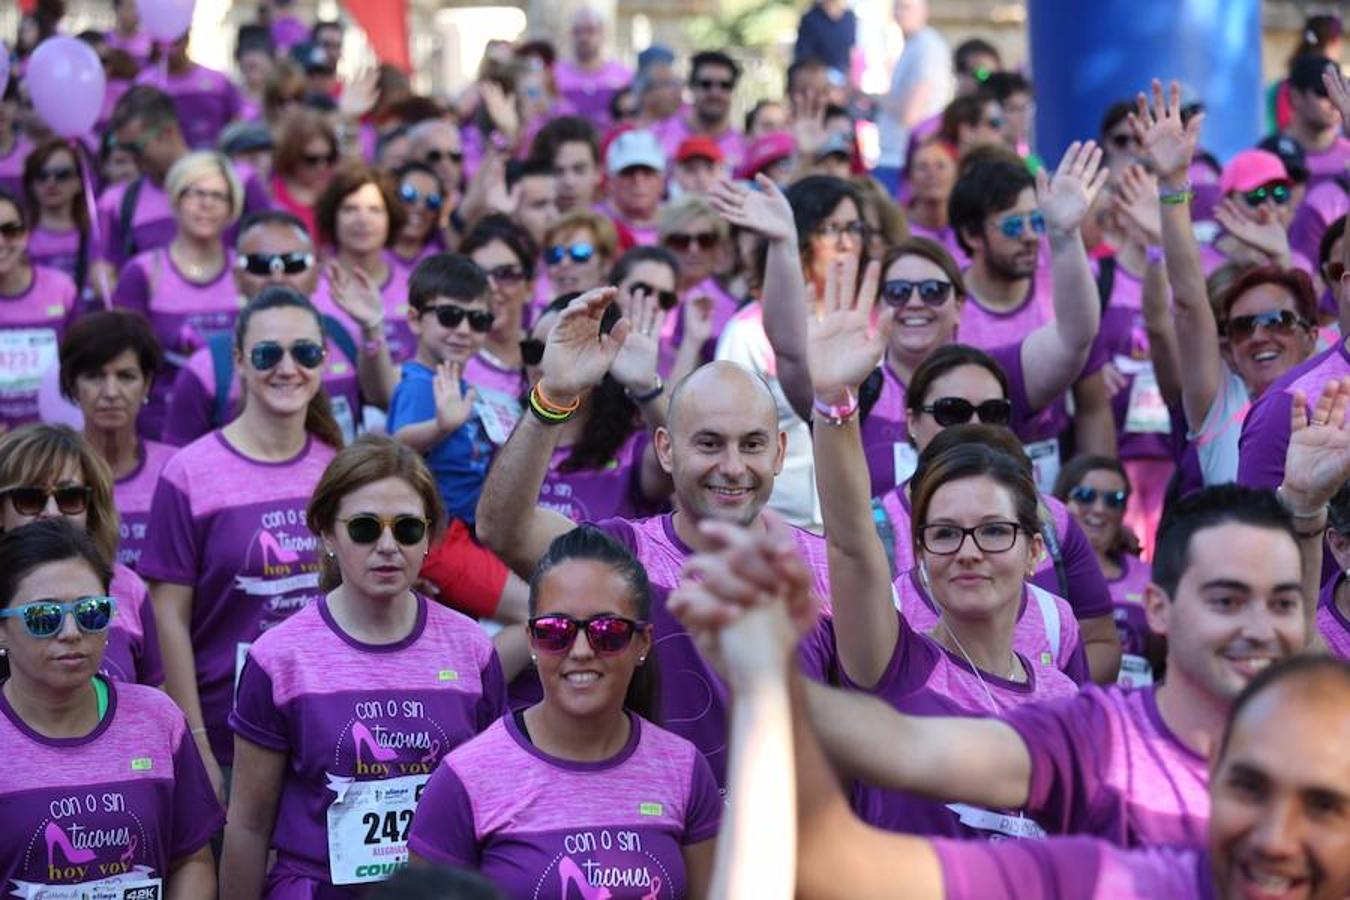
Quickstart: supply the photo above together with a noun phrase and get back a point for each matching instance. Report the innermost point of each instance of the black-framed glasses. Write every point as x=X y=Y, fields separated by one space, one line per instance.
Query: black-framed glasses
x=275 y=263
x=1276 y=191
x=315 y=160
x=1015 y=226
x=13 y=230
x=606 y=633
x=366 y=528
x=1277 y=321
x=409 y=194
x=54 y=176
x=681 y=242
x=266 y=355
x=30 y=500
x=433 y=157
x=1087 y=496
x=531 y=351
x=580 y=252
x=449 y=316
x=932 y=291
x=507 y=273
x=42 y=618
x=1122 y=140
x=989 y=537
x=949 y=411
x=665 y=299
x=855 y=229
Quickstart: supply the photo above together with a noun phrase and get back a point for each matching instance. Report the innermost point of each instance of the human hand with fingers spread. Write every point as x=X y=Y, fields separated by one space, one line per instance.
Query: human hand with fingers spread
x=454 y=400
x=1065 y=198
x=1338 y=90
x=635 y=365
x=1317 y=462
x=1260 y=231
x=698 y=320
x=356 y=294
x=1136 y=204
x=577 y=355
x=359 y=95
x=1167 y=143
x=843 y=345
x=765 y=211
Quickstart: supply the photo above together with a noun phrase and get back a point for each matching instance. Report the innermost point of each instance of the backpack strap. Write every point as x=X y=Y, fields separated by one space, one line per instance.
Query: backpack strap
x=222 y=362
x=126 y=213
x=339 y=335
x=1050 y=615
x=1050 y=535
x=886 y=531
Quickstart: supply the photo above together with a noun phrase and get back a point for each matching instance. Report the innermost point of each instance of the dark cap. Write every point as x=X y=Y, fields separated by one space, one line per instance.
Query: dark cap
x=245 y=137
x=311 y=58
x=1306 y=73
x=1290 y=153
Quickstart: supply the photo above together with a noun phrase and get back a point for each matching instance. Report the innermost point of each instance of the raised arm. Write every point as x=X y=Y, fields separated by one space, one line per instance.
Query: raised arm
x=783 y=294
x=635 y=369
x=842 y=349
x=357 y=295
x=1053 y=355
x=510 y=520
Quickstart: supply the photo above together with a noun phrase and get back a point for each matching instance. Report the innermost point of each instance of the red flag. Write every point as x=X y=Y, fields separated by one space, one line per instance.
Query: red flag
x=386 y=26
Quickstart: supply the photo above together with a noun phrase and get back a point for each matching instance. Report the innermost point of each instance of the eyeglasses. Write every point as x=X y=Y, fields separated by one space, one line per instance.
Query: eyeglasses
x=932 y=291
x=855 y=229
x=137 y=147
x=433 y=157
x=949 y=411
x=579 y=253
x=367 y=529
x=199 y=195
x=54 y=176
x=12 y=230
x=315 y=160
x=1276 y=321
x=714 y=84
x=507 y=273
x=1122 y=140
x=1016 y=225
x=606 y=633
x=995 y=122
x=1087 y=496
x=1276 y=191
x=531 y=351
x=71 y=499
x=449 y=316
x=664 y=299
x=989 y=537
x=275 y=263
x=681 y=242
x=266 y=355
x=42 y=618
x=409 y=194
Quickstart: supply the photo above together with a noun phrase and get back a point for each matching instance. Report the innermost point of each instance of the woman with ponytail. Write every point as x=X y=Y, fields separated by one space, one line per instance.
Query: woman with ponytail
x=227 y=554
x=344 y=709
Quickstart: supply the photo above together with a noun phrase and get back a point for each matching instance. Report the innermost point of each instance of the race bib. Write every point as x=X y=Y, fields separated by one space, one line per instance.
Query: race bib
x=1044 y=456
x=1147 y=412
x=368 y=826
x=1135 y=672
x=131 y=886
x=25 y=355
x=906 y=459
x=499 y=413
x=1006 y=824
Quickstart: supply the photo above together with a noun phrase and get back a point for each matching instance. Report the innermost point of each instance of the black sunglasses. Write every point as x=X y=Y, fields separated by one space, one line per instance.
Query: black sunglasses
x=664 y=299
x=266 y=355
x=64 y=173
x=71 y=499
x=433 y=157
x=409 y=194
x=367 y=528
x=275 y=263
x=42 y=618
x=708 y=84
x=949 y=411
x=531 y=351
x=507 y=274
x=1088 y=496
x=606 y=633
x=682 y=242
x=1276 y=321
x=319 y=159
x=11 y=230
x=932 y=291
x=449 y=316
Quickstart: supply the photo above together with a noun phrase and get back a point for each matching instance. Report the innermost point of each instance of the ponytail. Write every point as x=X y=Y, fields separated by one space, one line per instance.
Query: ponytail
x=319 y=420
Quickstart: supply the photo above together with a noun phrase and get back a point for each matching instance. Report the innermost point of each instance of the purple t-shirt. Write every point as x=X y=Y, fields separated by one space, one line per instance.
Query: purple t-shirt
x=1071 y=869
x=946 y=237
x=233 y=529
x=1105 y=763
x=138 y=45
x=484 y=371
x=1143 y=421
x=31 y=327
x=590 y=91
x=694 y=699
x=133 y=495
x=394 y=293
x=132 y=652
x=1327 y=164
x=192 y=403
x=673 y=132
x=56 y=249
x=1322 y=205
x=11 y=165
x=111 y=811
x=1331 y=622
x=589 y=495
x=1265 y=433
x=1127 y=598
x=1088 y=593
x=986 y=328
x=206 y=101
x=356 y=720
x=538 y=826
x=672 y=331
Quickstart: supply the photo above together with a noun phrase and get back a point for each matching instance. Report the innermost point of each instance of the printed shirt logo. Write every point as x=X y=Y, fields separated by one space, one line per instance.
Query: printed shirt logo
x=649 y=809
x=142 y=764
x=55 y=311
x=447 y=675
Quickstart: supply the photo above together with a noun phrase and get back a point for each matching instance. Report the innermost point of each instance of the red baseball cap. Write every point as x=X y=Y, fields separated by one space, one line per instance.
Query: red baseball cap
x=699 y=146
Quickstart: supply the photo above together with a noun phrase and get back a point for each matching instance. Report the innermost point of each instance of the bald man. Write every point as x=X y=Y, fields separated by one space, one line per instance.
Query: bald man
x=589 y=81
x=722 y=449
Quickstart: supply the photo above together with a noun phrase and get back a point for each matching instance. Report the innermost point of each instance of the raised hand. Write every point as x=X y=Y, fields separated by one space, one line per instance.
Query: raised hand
x=359 y=95
x=1338 y=89
x=765 y=211
x=808 y=124
x=1264 y=233
x=501 y=108
x=1167 y=143
x=454 y=402
x=698 y=320
x=1136 y=204
x=577 y=355
x=1317 y=462
x=1065 y=199
x=356 y=294
x=843 y=345
x=635 y=366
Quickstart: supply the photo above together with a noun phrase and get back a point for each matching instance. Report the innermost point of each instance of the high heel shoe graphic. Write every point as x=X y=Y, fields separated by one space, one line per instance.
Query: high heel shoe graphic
x=568 y=873
x=280 y=555
x=57 y=838
x=361 y=736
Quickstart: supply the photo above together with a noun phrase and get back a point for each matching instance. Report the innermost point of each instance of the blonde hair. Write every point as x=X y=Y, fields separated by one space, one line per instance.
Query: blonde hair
x=687 y=208
x=200 y=164
x=600 y=227
x=35 y=455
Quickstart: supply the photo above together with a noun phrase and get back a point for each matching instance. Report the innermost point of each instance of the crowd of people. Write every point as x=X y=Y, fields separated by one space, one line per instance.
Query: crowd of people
x=568 y=489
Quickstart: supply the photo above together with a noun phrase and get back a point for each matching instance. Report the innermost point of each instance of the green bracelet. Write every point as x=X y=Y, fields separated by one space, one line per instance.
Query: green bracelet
x=1183 y=194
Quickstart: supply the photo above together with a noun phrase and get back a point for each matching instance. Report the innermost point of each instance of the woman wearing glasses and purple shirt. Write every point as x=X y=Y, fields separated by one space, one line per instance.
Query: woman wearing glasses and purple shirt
x=184 y=289
x=580 y=795
x=53 y=187
x=345 y=709
x=102 y=782
x=507 y=254
x=423 y=199
x=227 y=555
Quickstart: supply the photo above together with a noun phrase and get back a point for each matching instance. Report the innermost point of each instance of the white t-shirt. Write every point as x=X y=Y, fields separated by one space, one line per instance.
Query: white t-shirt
x=926 y=58
x=1216 y=440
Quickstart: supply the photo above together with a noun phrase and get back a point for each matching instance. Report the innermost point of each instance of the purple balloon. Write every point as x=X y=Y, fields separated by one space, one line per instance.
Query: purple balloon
x=66 y=82
x=4 y=68
x=166 y=20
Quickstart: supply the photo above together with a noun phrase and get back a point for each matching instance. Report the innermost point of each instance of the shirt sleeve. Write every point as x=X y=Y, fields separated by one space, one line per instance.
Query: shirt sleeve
x=1264 y=441
x=1089 y=594
x=191 y=409
x=413 y=402
x=1065 y=776
x=197 y=815
x=133 y=289
x=149 y=662
x=1018 y=870
x=703 y=816
x=442 y=827
x=492 y=705
x=255 y=716
x=171 y=547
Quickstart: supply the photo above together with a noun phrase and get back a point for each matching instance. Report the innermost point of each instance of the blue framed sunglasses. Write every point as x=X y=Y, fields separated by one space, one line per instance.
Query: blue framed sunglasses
x=409 y=194
x=1015 y=226
x=579 y=253
x=42 y=618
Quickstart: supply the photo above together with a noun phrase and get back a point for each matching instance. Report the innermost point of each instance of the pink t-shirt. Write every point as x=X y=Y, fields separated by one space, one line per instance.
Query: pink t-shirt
x=11 y=165
x=540 y=826
x=133 y=495
x=672 y=331
x=31 y=327
x=590 y=91
x=132 y=653
x=485 y=371
x=1331 y=622
x=206 y=100
x=355 y=719
x=138 y=45
x=56 y=249
x=673 y=131
x=394 y=293
x=985 y=328
x=110 y=812
x=233 y=529
x=946 y=237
